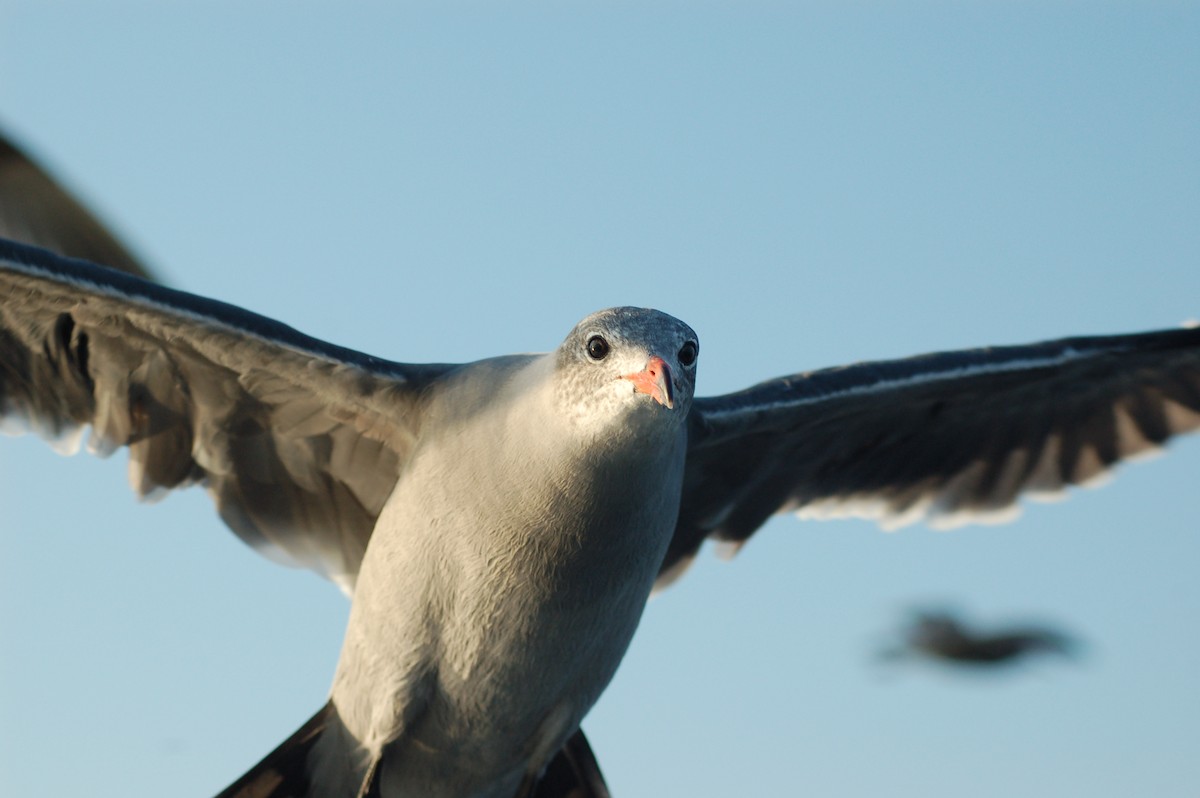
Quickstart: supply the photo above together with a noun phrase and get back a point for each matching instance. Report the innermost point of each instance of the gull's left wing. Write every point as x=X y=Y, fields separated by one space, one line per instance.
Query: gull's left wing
x=950 y=438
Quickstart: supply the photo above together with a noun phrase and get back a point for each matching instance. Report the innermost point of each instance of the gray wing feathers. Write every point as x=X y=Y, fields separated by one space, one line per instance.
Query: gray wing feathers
x=298 y=449
x=950 y=438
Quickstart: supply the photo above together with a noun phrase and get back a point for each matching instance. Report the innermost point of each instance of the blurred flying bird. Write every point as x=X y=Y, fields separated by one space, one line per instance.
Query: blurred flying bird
x=940 y=635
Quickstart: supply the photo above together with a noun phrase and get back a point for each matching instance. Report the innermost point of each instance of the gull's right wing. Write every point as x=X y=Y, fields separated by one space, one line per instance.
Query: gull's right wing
x=299 y=442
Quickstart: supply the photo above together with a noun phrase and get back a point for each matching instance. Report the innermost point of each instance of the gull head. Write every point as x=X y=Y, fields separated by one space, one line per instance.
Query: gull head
x=632 y=365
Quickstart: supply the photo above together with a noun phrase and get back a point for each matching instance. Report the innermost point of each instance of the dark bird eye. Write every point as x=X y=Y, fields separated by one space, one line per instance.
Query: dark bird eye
x=687 y=353
x=597 y=347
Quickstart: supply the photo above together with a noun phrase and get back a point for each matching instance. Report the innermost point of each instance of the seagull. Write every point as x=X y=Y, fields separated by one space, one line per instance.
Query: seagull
x=942 y=636
x=500 y=524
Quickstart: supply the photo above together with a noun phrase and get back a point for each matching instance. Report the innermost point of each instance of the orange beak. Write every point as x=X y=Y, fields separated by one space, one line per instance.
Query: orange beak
x=654 y=380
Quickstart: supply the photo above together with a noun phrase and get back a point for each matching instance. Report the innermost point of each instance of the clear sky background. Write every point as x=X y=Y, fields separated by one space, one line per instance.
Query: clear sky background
x=806 y=184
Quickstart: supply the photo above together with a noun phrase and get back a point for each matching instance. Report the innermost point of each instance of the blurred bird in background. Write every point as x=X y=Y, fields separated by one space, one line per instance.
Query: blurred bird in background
x=942 y=635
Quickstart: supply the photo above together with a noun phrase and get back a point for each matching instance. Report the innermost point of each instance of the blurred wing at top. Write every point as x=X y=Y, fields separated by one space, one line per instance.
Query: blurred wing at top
x=35 y=209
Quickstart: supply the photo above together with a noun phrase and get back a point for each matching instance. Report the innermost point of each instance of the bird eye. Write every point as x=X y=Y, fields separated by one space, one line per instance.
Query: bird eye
x=597 y=347
x=687 y=353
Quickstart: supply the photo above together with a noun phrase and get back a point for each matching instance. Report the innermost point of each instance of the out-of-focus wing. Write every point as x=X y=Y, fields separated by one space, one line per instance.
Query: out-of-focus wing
x=36 y=210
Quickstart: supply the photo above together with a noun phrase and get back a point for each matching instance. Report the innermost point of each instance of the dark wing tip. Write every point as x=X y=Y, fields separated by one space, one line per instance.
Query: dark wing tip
x=37 y=209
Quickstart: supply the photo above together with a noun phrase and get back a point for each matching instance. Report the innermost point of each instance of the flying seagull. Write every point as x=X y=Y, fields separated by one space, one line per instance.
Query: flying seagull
x=500 y=524
x=941 y=635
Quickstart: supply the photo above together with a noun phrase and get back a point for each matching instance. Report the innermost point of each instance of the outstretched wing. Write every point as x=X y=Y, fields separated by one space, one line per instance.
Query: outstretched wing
x=950 y=438
x=35 y=209
x=298 y=441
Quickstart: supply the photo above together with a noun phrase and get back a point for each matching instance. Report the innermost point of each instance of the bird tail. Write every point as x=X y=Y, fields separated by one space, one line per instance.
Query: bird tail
x=287 y=772
x=284 y=773
x=572 y=773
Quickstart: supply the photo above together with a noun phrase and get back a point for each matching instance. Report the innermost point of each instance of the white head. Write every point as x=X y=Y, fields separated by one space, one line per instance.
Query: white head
x=632 y=365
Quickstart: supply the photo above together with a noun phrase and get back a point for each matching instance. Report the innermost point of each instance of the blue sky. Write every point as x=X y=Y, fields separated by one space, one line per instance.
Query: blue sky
x=805 y=184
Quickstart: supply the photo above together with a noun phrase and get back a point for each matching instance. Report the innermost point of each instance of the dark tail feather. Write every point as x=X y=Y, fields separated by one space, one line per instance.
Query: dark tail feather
x=283 y=773
x=572 y=773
